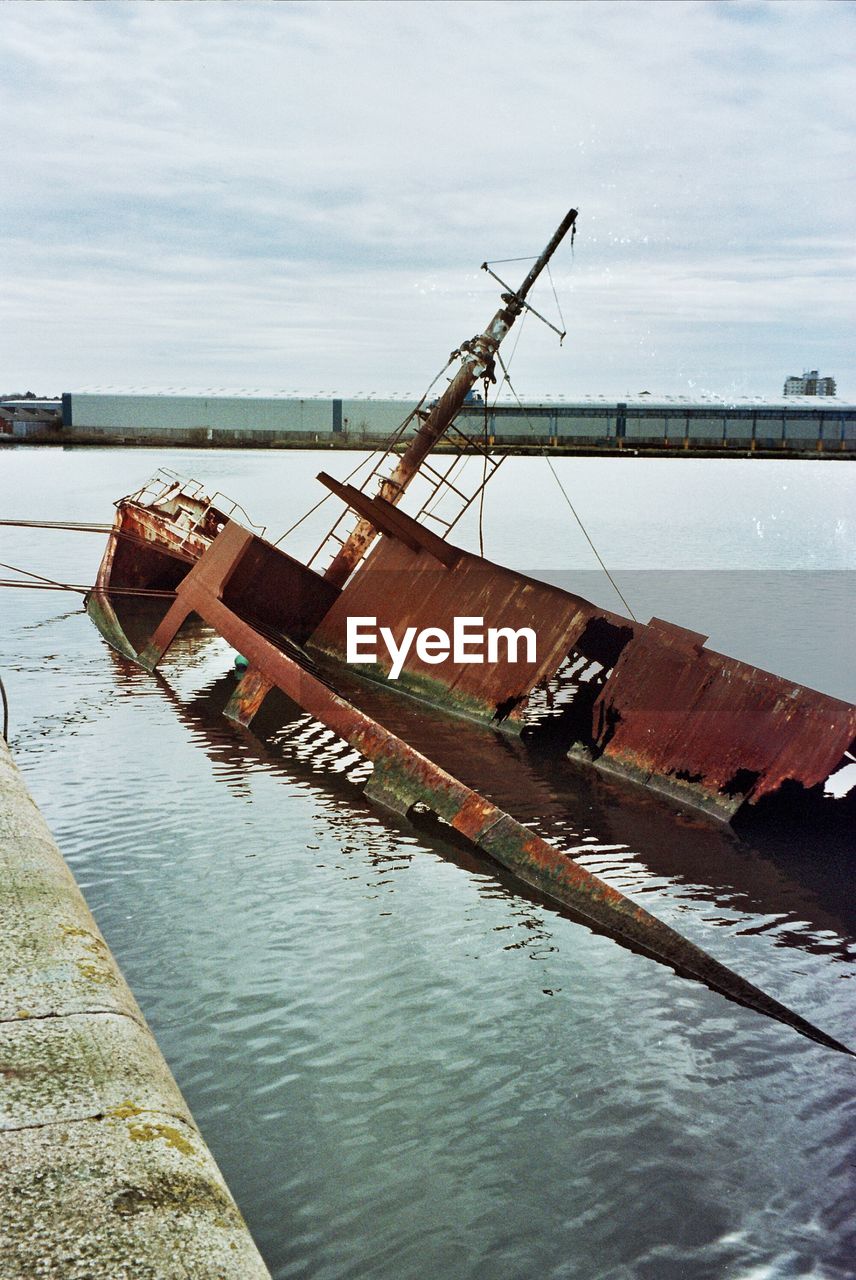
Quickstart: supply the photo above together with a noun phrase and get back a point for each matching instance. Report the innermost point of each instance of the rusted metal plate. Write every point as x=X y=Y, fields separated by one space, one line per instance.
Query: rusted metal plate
x=712 y=730
x=276 y=590
x=399 y=588
x=387 y=519
x=137 y=555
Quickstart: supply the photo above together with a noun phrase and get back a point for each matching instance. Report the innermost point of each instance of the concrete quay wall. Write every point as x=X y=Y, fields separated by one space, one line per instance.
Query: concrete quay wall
x=103 y=1172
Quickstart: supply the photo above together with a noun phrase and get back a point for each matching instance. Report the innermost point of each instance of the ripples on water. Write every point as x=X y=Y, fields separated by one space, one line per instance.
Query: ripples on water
x=404 y=1067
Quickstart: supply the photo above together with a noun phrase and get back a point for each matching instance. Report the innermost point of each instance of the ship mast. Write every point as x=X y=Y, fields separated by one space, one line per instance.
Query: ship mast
x=477 y=361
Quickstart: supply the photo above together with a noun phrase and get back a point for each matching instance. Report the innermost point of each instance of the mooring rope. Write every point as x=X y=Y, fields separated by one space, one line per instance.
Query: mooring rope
x=83 y=590
x=42 y=586
x=78 y=526
x=5 y=701
x=40 y=583
x=51 y=582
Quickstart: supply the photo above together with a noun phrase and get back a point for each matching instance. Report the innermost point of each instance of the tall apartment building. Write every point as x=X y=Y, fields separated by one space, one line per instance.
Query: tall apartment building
x=810 y=385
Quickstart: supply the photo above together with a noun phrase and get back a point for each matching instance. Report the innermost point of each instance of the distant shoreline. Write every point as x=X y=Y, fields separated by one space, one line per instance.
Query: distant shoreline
x=614 y=449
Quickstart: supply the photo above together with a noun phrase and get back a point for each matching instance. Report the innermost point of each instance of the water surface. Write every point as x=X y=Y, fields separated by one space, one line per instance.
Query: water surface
x=405 y=1067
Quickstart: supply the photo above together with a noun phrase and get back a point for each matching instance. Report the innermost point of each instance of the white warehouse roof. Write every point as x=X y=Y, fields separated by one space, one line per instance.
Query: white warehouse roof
x=638 y=400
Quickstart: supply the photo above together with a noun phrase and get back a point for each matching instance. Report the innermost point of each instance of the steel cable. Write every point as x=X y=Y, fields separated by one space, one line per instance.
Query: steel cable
x=564 y=492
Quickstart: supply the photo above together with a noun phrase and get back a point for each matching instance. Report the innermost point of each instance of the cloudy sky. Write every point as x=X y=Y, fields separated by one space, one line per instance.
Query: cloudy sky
x=299 y=195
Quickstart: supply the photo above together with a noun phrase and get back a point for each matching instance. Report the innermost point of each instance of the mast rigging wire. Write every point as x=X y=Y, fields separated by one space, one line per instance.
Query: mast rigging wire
x=564 y=493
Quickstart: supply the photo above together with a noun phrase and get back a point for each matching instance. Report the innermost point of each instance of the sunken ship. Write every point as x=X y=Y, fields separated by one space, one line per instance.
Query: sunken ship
x=646 y=702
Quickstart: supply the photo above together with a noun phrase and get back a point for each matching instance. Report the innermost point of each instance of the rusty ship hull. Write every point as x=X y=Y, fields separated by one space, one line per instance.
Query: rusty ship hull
x=293 y=638
x=645 y=702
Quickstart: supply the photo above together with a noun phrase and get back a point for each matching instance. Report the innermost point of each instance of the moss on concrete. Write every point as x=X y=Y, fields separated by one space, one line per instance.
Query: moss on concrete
x=103 y=1173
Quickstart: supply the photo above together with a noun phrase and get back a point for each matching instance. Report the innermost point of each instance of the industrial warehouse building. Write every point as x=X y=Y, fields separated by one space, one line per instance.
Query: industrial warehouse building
x=794 y=424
